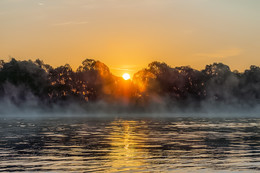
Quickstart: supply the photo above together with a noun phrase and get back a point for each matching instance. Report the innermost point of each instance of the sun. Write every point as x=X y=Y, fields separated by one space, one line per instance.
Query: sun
x=126 y=76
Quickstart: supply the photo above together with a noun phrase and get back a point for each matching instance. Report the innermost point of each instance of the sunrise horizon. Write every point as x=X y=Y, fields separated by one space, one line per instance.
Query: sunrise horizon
x=131 y=70
x=130 y=86
x=132 y=33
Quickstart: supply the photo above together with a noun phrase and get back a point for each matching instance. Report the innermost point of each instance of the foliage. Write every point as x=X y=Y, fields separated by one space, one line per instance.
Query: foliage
x=92 y=82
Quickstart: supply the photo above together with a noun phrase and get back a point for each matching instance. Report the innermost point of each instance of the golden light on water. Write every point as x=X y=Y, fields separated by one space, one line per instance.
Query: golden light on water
x=127 y=146
x=126 y=76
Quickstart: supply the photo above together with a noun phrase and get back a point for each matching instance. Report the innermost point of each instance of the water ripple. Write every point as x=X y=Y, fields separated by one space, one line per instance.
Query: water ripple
x=118 y=145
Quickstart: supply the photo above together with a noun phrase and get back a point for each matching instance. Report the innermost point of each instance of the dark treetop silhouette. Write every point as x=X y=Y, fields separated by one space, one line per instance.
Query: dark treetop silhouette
x=92 y=86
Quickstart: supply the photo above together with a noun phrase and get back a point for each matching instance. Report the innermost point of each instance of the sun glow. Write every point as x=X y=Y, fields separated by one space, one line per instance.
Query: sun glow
x=126 y=76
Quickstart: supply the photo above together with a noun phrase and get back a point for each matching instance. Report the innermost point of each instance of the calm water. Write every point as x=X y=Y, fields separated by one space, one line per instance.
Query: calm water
x=139 y=145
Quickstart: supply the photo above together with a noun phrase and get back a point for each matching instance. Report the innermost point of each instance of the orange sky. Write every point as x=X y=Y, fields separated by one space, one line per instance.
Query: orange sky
x=128 y=34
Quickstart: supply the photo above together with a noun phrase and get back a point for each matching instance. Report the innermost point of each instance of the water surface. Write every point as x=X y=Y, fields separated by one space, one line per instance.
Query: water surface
x=139 y=145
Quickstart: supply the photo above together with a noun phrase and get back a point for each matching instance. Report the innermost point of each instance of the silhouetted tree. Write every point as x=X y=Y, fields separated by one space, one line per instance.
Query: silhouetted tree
x=19 y=78
x=40 y=83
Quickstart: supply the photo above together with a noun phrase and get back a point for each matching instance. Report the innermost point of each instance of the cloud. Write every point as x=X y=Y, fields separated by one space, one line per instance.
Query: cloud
x=70 y=23
x=126 y=68
x=222 y=53
x=122 y=69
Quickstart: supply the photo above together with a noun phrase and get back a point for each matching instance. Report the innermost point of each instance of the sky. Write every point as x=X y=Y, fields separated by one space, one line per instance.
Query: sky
x=127 y=35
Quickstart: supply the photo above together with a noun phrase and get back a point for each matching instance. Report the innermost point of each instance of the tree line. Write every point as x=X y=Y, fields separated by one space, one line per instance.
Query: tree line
x=158 y=84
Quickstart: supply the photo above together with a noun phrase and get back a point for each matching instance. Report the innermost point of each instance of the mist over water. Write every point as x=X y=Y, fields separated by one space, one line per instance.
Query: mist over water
x=164 y=119
x=35 y=88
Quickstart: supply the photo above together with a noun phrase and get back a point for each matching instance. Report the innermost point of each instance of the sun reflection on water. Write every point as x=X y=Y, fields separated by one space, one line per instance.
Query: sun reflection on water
x=127 y=141
x=176 y=145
